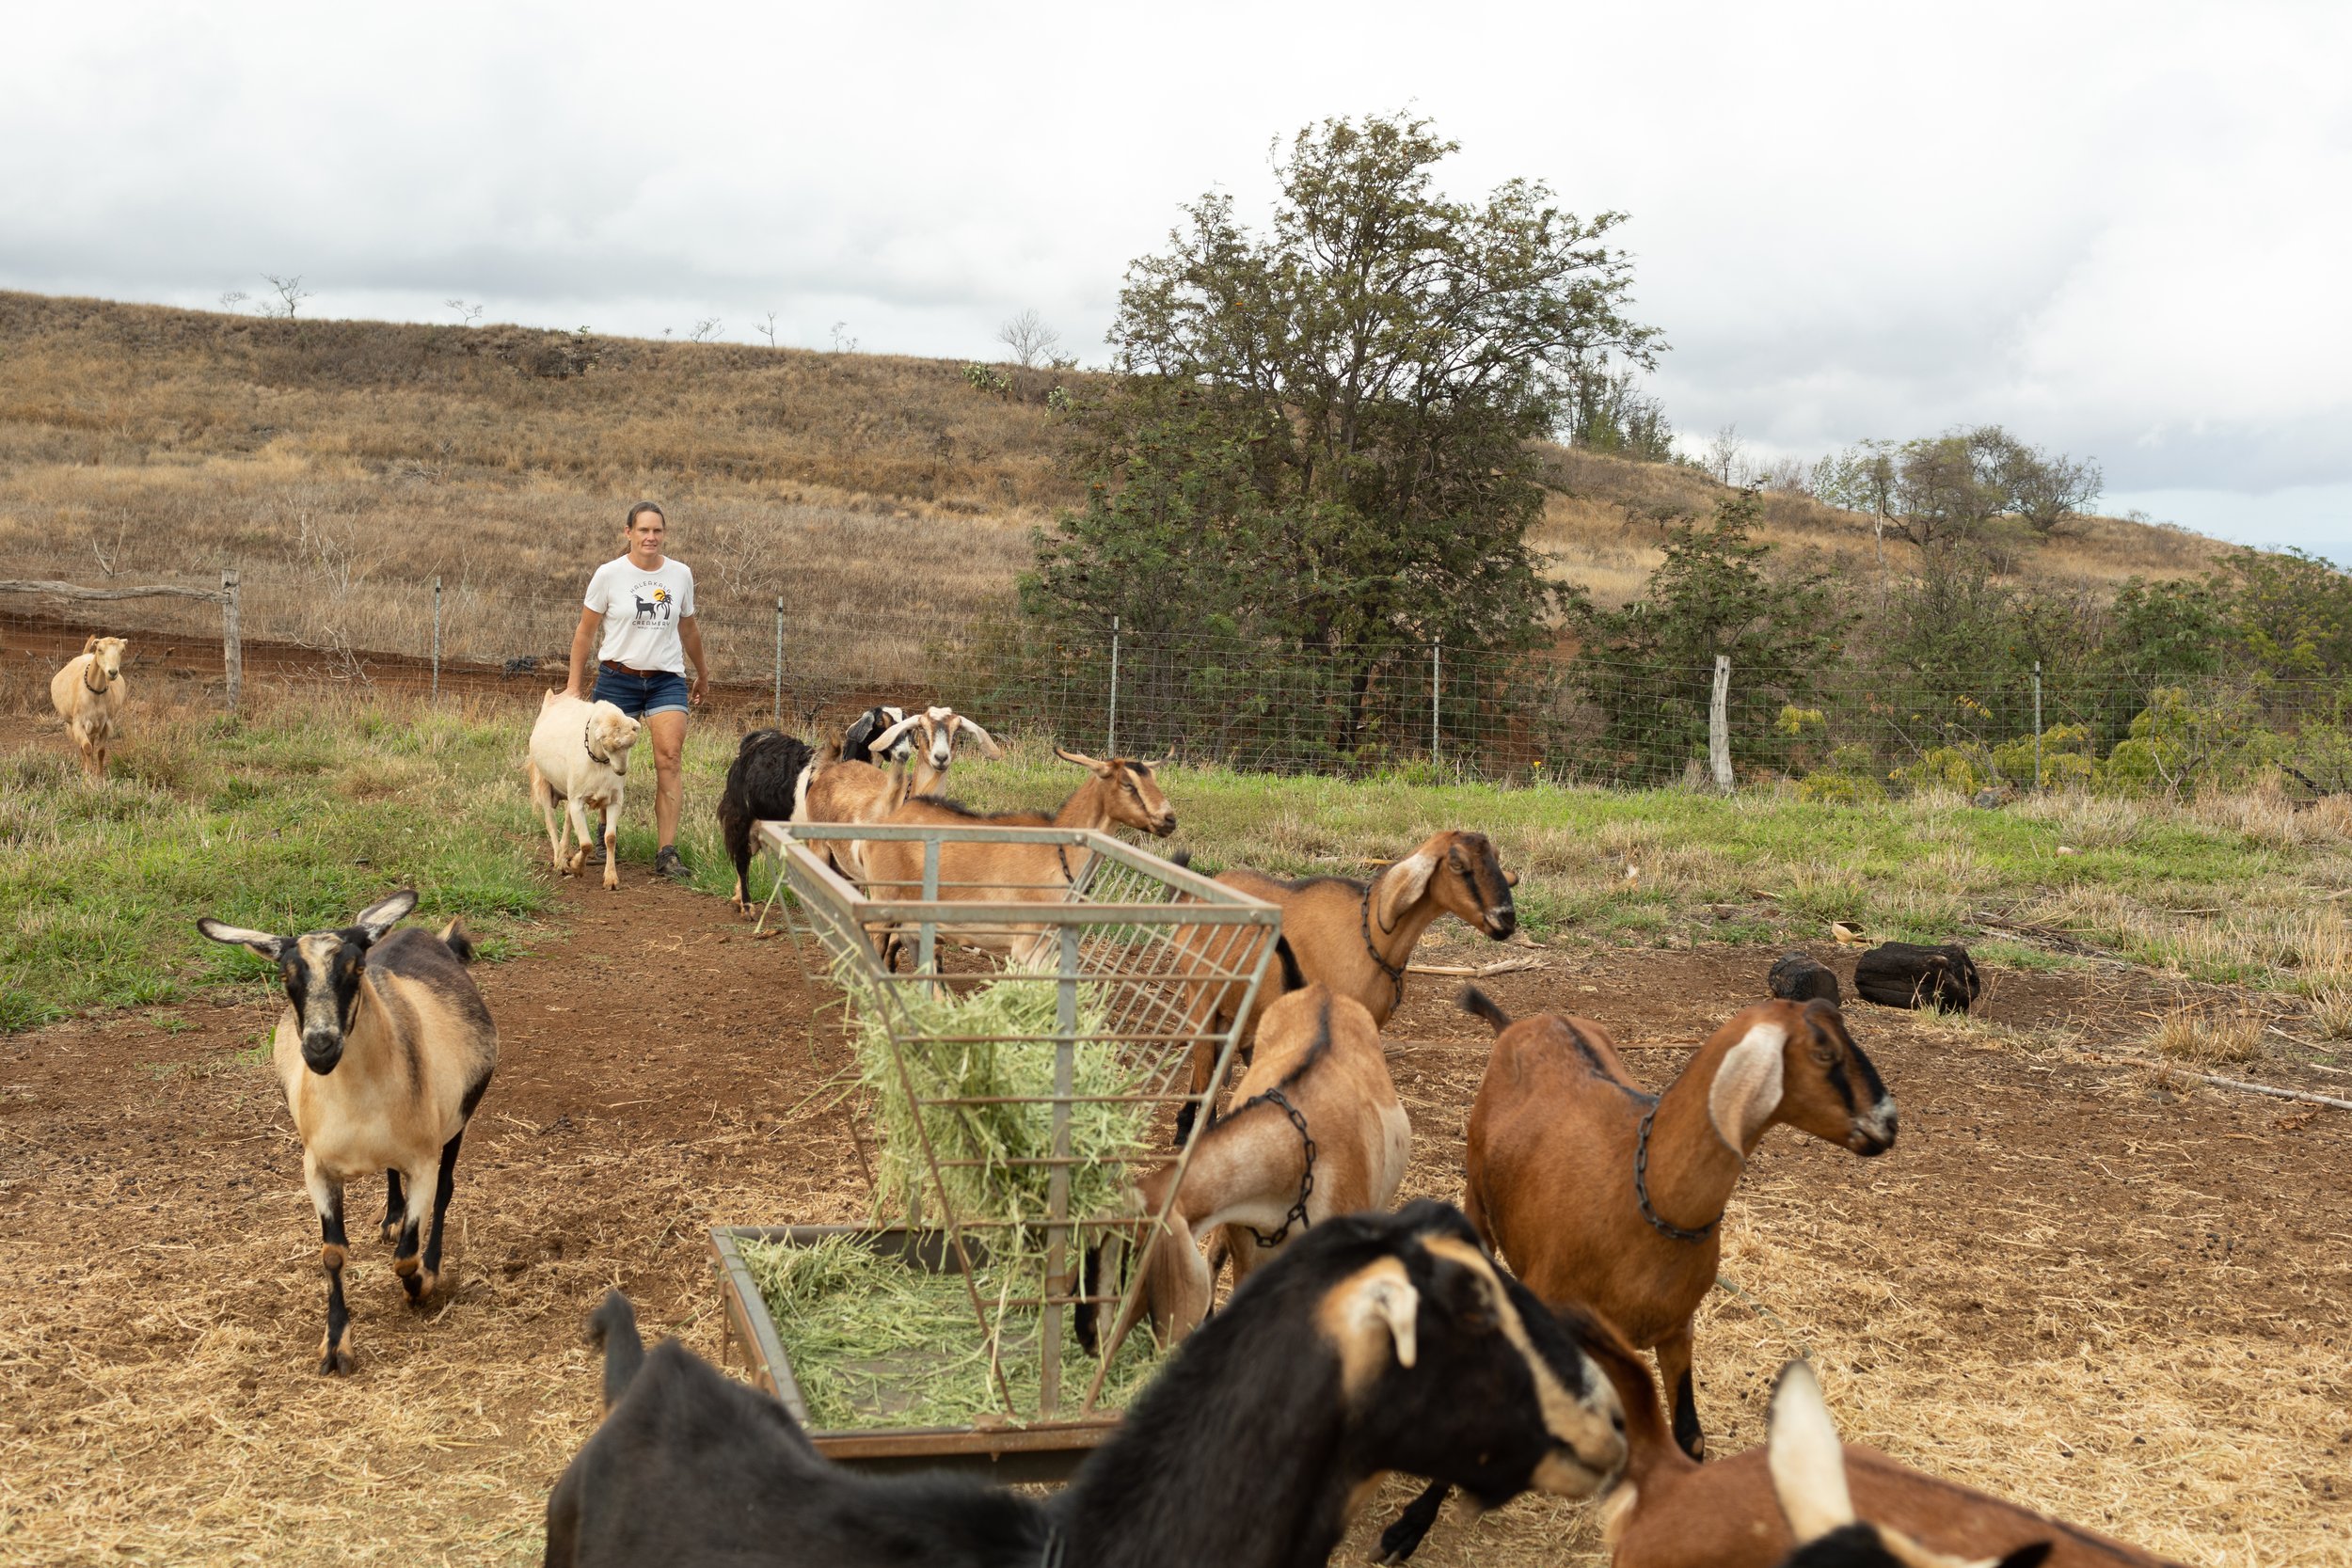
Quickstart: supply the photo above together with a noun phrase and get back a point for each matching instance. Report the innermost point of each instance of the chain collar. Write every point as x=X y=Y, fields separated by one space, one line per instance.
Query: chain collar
x=587 y=732
x=1640 y=1186
x=1298 y=1215
x=1394 y=972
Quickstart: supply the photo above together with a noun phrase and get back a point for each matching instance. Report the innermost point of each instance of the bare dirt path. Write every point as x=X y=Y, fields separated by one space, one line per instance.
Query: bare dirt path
x=2124 y=1299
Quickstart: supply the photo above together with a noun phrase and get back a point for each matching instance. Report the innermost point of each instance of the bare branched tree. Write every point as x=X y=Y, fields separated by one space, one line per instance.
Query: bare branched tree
x=842 y=341
x=290 y=292
x=231 y=298
x=767 y=328
x=109 y=551
x=467 y=314
x=1727 y=459
x=1031 y=341
x=705 y=330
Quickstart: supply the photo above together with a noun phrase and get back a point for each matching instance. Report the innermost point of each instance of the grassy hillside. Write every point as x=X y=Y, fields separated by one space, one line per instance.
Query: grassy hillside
x=343 y=466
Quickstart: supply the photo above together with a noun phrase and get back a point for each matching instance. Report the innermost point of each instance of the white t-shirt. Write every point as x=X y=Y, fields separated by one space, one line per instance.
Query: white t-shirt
x=640 y=611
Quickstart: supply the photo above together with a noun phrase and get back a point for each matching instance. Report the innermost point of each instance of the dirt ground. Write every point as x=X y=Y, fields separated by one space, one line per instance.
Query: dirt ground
x=2124 y=1299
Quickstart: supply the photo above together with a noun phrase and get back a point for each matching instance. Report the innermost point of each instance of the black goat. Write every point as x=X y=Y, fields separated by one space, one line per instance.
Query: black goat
x=1377 y=1342
x=767 y=781
x=857 y=743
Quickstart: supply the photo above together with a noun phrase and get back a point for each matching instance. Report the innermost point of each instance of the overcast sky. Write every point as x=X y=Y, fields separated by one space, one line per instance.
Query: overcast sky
x=2122 y=231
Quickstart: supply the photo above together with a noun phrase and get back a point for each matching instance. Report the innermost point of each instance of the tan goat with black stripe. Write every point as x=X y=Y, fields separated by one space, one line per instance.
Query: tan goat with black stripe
x=384 y=1051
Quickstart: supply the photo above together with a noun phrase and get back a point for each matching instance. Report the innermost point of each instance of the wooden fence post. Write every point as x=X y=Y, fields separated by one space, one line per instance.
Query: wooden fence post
x=231 y=648
x=1719 y=724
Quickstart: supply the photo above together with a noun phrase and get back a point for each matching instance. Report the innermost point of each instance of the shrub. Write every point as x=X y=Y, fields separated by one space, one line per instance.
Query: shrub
x=1966 y=768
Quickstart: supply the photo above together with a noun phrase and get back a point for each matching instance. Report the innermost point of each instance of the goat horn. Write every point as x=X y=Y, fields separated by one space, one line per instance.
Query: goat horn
x=1078 y=757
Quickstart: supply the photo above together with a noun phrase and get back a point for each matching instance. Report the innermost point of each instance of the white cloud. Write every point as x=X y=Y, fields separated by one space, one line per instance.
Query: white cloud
x=2113 y=228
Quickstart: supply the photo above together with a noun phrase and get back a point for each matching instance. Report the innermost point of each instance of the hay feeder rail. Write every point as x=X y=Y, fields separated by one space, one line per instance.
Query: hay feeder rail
x=1021 y=1100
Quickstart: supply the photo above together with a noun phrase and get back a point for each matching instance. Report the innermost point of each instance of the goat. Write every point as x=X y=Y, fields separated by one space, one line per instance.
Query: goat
x=384 y=1051
x=773 y=777
x=1668 y=1509
x=1355 y=937
x=853 y=792
x=1566 y=1181
x=1378 y=1342
x=767 y=781
x=1809 y=1469
x=89 y=694
x=580 y=755
x=1316 y=1131
x=1121 y=792
x=857 y=742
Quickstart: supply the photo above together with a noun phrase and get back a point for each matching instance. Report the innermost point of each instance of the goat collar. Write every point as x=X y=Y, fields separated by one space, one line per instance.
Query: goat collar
x=588 y=738
x=1640 y=1186
x=94 y=676
x=1394 y=972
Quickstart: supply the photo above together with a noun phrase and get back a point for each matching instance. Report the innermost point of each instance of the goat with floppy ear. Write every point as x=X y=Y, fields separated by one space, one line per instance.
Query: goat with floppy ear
x=1356 y=938
x=1379 y=1342
x=1754 y=1509
x=1598 y=1191
x=384 y=1049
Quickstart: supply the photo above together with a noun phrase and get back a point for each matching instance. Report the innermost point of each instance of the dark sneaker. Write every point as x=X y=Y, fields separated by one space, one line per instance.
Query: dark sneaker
x=667 y=862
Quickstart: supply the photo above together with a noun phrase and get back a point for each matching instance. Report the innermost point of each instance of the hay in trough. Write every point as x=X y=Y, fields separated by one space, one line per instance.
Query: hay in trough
x=993 y=1044
x=876 y=1341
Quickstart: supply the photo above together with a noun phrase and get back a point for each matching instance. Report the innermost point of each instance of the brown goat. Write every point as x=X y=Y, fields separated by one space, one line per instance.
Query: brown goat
x=89 y=694
x=1357 y=937
x=853 y=792
x=1319 y=1062
x=1120 y=793
x=1669 y=1511
x=1598 y=1191
x=384 y=1049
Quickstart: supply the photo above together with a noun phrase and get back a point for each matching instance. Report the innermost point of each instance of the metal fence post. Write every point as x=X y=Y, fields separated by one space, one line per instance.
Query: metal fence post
x=779 y=696
x=1110 y=747
x=1435 y=673
x=436 y=639
x=2037 y=723
x=232 y=646
x=1719 y=724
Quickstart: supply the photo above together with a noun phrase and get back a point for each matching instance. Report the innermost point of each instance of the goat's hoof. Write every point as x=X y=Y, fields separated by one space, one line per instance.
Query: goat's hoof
x=337 y=1359
x=389 y=1233
x=419 y=1285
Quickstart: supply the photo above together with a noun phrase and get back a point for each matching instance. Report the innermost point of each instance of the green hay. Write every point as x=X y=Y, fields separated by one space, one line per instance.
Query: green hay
x=876 y=1342
x=1003 y=1190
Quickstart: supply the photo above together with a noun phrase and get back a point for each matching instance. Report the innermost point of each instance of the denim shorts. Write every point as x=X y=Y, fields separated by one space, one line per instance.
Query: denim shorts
x=640 y=695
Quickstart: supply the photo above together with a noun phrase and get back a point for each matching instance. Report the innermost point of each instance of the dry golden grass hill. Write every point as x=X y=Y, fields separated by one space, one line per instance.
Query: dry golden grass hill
x=343 y=466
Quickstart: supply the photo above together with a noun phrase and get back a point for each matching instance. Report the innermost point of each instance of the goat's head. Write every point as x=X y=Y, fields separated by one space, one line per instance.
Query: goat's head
x=612 y=732
x=1784 y=1062
x=1808 y=1467
x=106 y=659
x=1460 y=872
x=1135 y=801
x=1446 y=1367
x=322 y=971
x=933 y=733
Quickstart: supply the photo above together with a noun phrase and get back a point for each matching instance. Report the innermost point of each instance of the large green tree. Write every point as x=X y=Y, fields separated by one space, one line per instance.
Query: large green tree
x=1316 y=438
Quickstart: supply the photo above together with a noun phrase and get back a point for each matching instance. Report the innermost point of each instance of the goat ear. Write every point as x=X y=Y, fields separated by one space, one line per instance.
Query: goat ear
x=382 y=915
x=889 y=738
x=263 y=943
x=986 y=741
x=1082 y=760
x=1747 y=1086
x=1370 y=1314
x=1401 y=887
x=1806 y=1460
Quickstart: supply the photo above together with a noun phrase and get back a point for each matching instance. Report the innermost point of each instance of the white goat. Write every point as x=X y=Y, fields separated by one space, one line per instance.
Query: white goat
x=580 y=755
x=89 y=694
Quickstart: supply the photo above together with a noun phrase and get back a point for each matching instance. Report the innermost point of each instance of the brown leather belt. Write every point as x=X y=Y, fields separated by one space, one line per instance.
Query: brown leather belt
x=628 y=669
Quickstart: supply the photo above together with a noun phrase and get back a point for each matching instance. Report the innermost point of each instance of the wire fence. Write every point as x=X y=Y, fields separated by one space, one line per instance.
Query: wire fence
x=1552 y=714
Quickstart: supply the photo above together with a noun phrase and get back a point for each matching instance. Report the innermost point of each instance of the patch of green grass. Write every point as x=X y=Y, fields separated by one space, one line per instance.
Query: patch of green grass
x=2222 y=890
x=289 y=820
